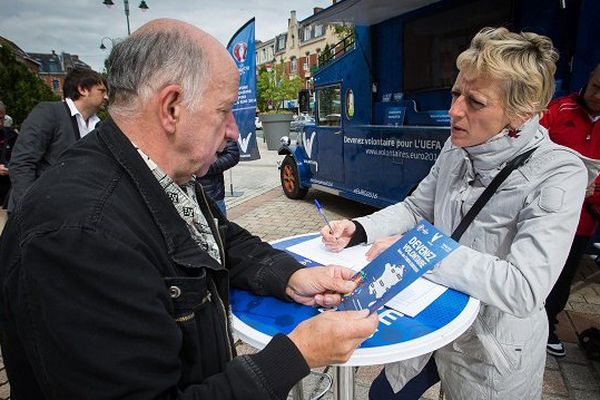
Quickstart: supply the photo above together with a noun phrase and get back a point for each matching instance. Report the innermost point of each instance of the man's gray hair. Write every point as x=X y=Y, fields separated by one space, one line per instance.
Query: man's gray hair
x=147 y=61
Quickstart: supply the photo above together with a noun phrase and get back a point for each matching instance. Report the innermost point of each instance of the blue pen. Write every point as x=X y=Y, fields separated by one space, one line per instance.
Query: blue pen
x=322 y=214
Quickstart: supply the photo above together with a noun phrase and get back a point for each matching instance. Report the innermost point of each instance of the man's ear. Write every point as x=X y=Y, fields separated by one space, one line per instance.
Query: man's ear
x=83 y=92
x=170 y=100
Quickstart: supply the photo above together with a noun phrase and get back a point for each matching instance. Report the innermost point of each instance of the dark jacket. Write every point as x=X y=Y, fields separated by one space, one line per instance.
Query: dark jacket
x=213 y=182
x=46 y=132
x=104 y=294
x=8 y=137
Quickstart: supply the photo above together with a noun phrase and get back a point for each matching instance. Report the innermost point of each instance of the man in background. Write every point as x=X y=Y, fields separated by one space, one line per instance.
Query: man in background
x=213 y=182
x=52 y=127
x=8 y=136
x=572 y=121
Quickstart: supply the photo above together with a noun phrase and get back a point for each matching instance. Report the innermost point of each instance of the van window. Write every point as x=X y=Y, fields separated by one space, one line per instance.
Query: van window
x=329 y=112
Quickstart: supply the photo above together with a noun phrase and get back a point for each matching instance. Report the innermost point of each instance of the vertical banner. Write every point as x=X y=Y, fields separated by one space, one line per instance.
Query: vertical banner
x=241 y=47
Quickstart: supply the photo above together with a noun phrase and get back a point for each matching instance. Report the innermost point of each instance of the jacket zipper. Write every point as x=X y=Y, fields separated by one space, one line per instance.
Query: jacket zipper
x=219 y=240
x=190 y=316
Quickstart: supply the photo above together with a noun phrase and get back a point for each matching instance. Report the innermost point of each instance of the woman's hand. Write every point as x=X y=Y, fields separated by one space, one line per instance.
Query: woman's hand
x=380 y=245
x=337 y=240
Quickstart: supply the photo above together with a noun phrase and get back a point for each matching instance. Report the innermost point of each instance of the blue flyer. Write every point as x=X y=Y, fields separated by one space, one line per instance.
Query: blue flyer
x=397 y=267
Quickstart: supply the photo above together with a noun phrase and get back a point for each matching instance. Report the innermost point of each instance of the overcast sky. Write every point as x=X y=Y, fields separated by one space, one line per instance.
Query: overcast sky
x=78 y=26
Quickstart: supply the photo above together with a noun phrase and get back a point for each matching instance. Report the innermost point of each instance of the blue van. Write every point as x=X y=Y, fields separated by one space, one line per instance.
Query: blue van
x=382 y=94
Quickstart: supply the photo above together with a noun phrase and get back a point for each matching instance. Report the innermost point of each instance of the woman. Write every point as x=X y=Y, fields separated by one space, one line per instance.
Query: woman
x=512 y=253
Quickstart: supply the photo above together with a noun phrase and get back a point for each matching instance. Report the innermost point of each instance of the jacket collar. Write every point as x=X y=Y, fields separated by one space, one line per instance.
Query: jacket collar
x=489 y=157
x=181 y=247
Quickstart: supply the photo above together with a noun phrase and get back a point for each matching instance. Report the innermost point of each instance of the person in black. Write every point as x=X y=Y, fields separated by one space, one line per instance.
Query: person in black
x=115 y=268
x=8 y=136
x=213 y=182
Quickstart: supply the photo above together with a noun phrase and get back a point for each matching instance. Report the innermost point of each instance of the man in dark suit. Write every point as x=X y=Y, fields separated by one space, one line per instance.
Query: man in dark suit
x=53 y=126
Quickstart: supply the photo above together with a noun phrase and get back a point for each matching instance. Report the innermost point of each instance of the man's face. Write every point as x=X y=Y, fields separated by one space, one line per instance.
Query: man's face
x=94 y=97
x=204 y=132
x=592 y=93
x=477 y=113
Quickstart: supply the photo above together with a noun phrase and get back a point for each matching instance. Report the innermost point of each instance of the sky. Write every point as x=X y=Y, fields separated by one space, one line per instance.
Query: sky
x=79 y=26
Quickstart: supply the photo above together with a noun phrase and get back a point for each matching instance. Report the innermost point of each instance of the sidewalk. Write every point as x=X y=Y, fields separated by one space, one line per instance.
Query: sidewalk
x=264 y=210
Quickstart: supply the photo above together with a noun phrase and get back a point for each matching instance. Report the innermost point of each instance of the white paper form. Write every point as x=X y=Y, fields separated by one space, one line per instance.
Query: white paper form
x=411 y=301
x=351 y=257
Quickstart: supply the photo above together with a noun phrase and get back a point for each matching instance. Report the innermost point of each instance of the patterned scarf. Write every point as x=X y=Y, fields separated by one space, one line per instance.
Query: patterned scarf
x=185 y=201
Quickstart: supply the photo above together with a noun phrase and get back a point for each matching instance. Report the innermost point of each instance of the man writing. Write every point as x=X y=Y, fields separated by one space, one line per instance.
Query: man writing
x=52 y=127
x=114 y=271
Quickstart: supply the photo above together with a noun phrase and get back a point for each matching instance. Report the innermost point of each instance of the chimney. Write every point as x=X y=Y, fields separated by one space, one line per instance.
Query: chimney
x=292 y=19
x=317 y=9
x=53 y=53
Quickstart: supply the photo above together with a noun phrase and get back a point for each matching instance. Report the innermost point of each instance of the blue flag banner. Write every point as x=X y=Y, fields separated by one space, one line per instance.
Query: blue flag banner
x=397 y=267
x=241 y=47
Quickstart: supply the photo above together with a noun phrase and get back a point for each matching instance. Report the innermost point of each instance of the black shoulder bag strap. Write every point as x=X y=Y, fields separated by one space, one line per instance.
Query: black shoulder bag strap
x=489 y=192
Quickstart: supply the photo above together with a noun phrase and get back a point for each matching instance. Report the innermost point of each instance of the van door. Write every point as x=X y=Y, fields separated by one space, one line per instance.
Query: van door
x=329 y=144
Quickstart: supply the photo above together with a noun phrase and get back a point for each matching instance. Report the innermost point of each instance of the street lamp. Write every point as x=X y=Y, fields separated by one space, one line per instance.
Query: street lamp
x=143 y=6
x=112 y=42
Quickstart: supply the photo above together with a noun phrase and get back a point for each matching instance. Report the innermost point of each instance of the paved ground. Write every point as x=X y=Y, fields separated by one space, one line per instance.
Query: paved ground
x=264 y=210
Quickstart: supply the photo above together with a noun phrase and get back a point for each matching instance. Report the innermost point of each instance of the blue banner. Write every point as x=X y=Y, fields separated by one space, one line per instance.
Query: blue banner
x=241 y=47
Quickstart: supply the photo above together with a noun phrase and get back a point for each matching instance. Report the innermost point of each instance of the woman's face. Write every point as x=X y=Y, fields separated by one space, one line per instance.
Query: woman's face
x=477 y=113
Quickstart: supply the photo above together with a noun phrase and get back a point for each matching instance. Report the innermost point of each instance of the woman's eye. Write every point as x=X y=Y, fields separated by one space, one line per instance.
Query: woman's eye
x=475 y=103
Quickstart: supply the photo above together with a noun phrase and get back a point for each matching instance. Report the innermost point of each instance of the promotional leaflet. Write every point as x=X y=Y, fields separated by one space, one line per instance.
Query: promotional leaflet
x=397 y=267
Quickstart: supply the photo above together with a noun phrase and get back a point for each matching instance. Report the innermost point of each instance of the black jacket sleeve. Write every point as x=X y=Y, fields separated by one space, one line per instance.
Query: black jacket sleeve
x=226 y=159
x=100 y=321
x=31 y=145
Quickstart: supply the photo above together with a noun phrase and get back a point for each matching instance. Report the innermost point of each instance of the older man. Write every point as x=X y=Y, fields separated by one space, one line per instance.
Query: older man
x=52 y=127
x=115 y=272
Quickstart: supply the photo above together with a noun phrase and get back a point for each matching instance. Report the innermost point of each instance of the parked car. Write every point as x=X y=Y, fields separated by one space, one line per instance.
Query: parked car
x=299 y=121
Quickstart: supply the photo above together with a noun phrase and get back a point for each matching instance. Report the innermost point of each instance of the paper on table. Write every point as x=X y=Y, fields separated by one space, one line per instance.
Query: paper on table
x=416 y=297
x=411 y=301
x=314 y=249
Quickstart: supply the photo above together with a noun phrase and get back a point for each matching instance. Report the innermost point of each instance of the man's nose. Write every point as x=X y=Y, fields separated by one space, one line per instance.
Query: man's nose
x=232 y=129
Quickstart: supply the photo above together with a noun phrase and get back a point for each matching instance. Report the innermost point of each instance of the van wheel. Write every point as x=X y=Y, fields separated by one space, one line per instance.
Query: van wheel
x=290 y=182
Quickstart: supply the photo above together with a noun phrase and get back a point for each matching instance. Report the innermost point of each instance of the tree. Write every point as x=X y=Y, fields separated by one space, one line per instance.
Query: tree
x=275 y=86
x=20 y=89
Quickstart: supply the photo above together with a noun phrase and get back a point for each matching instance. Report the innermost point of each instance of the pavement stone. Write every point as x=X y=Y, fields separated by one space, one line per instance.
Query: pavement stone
x=580 y=377
x=554 y=383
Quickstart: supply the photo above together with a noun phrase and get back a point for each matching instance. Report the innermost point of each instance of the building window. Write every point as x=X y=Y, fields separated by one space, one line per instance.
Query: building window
x=318 y=30
x=294 y=65
x=55 y=85
x=281 y=43
x=307 y=32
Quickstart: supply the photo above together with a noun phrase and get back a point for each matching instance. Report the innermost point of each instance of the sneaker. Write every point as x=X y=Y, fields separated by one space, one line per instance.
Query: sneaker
x=556 y=348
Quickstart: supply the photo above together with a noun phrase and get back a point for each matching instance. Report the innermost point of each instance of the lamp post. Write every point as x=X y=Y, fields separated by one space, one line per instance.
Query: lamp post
x=143 y=6
x=103 y=47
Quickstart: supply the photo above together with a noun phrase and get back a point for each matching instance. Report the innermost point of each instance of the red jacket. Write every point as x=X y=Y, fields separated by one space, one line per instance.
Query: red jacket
x=570 y=125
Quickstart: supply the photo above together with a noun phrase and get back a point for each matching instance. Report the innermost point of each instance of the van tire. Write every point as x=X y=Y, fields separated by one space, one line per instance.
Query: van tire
x=290 y=180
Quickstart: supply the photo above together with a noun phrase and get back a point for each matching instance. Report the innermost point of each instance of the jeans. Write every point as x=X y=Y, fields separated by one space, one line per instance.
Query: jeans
x=413 y=390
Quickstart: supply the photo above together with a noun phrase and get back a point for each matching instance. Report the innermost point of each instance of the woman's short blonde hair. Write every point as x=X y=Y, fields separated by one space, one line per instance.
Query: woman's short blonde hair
x=524 y=61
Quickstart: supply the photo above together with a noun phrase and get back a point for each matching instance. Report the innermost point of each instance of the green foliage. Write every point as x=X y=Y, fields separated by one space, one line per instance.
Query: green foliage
x=20 y=89
x=274 y=87
x=343 y=31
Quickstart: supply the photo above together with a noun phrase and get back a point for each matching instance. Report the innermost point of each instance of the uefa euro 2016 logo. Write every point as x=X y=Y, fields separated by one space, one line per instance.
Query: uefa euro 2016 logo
x=240 y=52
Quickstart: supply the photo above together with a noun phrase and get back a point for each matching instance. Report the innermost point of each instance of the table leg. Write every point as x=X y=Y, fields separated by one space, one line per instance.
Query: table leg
x=343 y=383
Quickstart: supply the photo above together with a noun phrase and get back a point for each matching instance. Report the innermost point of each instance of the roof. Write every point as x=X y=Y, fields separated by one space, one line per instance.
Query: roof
x=58 y=63
x=366 y=12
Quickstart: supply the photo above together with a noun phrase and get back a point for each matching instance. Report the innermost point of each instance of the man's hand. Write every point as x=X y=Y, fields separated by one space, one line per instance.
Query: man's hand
x=380 y=245
x=3 y=170
x=339 y=239
x=589 y=191
x=320 y=285
x=332 y=336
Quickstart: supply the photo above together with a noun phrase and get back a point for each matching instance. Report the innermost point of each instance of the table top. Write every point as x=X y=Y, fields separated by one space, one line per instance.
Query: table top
x=256 y=319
